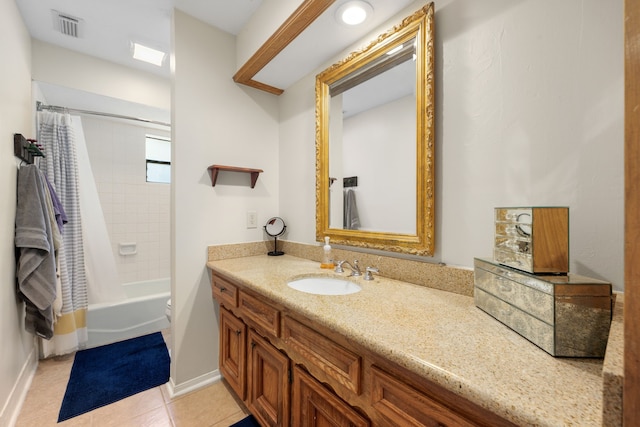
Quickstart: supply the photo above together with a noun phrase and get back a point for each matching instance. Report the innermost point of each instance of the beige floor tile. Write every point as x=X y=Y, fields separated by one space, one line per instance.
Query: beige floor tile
x=131 y=407
x=49 y=420
x=84 y=420
x=158 y=417
x=165 y=393
x=204 y=407
x=46 y=392
x=36 y=410
x=230 y=420
x=211 y=406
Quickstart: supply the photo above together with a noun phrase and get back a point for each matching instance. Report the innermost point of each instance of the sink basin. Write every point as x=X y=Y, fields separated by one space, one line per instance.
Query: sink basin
x=324 y=286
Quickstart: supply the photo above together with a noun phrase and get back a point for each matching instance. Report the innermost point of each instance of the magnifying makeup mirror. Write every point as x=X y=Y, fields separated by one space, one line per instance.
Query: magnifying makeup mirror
x=275 y=227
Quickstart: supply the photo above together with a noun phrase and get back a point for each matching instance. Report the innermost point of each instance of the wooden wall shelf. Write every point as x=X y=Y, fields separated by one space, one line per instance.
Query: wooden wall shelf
x=217 y=168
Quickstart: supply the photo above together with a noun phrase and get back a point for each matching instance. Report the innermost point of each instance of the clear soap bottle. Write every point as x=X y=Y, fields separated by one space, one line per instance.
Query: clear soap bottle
x=326 y=256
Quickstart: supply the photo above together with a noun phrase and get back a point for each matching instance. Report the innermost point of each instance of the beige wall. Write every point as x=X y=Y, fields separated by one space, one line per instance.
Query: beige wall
x=529 y=111
x=18 y=355
x=215 y=121
x=63 y=67
x=264 y=22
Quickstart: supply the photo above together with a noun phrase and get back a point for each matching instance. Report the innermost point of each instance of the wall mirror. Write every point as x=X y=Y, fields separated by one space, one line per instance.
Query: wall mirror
x=375 y=142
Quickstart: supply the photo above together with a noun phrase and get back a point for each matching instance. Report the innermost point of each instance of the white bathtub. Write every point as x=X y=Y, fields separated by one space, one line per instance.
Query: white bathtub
x=142 y=312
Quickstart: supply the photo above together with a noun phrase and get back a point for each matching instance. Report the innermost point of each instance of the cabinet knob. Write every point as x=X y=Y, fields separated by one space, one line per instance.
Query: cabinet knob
x=222 y=289
x=253 y=344
x=238 y=332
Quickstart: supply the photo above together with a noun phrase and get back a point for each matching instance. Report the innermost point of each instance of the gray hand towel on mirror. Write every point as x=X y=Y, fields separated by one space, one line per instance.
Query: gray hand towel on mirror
x=350 y=213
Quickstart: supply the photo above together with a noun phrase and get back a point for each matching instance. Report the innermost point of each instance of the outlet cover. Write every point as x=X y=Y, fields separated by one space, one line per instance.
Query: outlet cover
x=252 y=219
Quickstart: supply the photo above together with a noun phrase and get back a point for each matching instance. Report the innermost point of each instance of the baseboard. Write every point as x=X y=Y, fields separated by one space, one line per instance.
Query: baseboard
x=16 y=399
x=176 y=390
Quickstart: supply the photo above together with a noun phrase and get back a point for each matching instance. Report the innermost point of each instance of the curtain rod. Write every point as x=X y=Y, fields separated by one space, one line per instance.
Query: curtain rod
x=40 y=106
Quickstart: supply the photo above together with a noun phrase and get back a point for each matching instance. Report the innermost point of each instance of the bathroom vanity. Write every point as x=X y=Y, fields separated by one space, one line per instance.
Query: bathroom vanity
x=392 y=354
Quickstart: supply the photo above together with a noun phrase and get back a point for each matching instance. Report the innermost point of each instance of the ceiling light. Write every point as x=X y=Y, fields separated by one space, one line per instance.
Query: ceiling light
x=147 y=54
x=354 y=12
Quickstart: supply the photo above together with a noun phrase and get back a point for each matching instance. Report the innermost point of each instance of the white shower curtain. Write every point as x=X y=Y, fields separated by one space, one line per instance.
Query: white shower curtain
x=88 y=269
x=103 y=285
x=60 y=166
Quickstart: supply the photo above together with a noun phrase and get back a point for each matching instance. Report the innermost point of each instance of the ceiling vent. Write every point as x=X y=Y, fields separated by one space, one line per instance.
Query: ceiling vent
x=67 y=24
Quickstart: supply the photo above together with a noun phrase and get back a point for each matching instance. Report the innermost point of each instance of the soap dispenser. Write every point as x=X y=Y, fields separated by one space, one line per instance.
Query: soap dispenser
x=326 y=256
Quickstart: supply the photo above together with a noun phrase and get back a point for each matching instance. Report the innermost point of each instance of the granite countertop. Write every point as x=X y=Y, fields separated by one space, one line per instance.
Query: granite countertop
x=441 y=336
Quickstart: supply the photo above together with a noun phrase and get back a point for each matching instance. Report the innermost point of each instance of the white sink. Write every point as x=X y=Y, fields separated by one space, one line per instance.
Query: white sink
x=324 y=286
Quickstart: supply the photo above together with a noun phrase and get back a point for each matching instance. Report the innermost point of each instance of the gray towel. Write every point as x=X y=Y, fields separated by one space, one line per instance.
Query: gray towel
x=36 y=269
x=351 y=217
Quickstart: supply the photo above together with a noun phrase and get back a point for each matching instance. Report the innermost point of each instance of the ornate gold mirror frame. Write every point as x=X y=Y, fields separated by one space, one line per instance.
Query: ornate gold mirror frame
x=419 y=26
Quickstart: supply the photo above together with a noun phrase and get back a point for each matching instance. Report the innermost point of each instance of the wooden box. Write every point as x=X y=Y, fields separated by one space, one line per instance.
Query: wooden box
x=533 y=239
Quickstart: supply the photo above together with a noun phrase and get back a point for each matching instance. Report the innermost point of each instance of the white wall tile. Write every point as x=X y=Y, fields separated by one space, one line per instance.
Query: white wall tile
x=134 y=210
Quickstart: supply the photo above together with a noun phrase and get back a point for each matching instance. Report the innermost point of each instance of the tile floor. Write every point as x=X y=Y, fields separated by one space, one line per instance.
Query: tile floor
x=212 y=406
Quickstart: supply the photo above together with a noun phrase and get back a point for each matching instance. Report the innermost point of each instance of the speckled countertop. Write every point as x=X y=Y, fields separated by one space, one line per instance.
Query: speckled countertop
x=441 y=336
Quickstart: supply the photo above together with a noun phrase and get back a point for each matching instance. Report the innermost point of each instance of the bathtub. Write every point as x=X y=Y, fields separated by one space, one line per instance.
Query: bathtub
x=142 y=312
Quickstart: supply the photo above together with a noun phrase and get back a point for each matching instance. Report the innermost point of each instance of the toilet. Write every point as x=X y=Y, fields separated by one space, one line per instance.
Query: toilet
x=167 y=311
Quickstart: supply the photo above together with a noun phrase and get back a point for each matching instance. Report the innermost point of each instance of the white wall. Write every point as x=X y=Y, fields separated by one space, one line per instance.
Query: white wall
x=379 y=148
x=18 y=355
x=262 y=24
x=215 y=121
x=135 y=211
x=63 y=67
x=529 y=111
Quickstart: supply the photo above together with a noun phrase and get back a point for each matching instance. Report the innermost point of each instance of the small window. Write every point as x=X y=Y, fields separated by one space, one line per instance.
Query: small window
x=158 y=157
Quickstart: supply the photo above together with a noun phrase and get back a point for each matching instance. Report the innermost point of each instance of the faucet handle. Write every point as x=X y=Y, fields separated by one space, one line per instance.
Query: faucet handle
x=338 y=268
x=356 y=269
x=368 y=271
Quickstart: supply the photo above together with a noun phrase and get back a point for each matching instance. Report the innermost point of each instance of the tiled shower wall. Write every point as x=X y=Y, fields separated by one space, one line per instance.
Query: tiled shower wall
x=135 y=211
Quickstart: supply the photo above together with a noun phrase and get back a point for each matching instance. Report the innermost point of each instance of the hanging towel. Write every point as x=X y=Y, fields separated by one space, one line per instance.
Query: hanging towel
x=56 y=230
x=351 y=218
x=36 y=270
x=56 y=234
x=60 y=215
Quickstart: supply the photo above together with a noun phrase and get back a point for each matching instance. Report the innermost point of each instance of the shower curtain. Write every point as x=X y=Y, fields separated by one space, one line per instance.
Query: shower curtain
x=103 y=285
x=60 y=166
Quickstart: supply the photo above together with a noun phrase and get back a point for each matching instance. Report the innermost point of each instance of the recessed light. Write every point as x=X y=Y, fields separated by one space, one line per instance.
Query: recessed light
x=354 y=12
x=147 y=54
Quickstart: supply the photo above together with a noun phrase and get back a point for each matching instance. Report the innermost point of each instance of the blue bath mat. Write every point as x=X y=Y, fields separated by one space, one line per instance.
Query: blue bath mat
x=109 y=373
x=246 y=422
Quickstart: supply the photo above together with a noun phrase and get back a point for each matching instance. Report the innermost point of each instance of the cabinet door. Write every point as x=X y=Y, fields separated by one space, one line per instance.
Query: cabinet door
x=400 y=404
x=268 y=382
x=233 y=351
x=315 y=406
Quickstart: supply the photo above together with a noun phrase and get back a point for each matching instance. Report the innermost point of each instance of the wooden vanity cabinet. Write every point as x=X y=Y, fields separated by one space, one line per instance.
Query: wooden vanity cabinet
x=315 y=406
x=233 y=351
x=399 y=404
x=267 y=382
x=331 y=361
x=332 y=375
x=258 y=314
x=224 y=291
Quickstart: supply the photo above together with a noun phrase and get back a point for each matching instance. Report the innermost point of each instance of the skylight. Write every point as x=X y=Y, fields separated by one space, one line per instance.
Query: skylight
x=147 y=54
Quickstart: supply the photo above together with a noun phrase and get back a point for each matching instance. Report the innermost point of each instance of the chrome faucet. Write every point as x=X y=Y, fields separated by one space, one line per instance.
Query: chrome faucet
x=368 y=271
x=355 y=269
